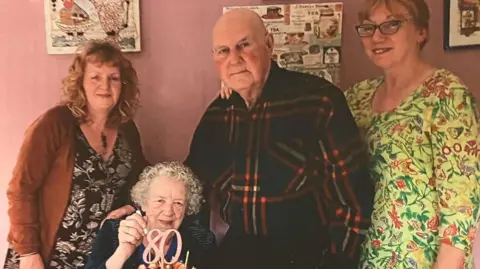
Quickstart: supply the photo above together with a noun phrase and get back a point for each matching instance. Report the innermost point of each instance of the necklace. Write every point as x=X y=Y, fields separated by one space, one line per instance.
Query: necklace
x=103 y=137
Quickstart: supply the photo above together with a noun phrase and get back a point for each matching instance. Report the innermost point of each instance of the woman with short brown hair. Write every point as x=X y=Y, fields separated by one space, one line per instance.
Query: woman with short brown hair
x=78 y=162
x=421 y=125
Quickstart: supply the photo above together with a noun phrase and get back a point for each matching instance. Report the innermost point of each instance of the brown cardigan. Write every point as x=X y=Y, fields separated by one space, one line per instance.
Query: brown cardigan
x=39 y=191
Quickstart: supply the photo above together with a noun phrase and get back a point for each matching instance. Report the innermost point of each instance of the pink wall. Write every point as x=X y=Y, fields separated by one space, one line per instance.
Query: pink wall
x=175 y=69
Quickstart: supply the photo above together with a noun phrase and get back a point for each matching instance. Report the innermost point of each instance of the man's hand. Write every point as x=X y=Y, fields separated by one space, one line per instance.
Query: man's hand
x=31 y=262
x=121 y=212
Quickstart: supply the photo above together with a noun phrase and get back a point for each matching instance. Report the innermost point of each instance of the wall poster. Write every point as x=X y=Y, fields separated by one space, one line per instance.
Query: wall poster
x=307 y=37
x=462 y=23
x=71 y=23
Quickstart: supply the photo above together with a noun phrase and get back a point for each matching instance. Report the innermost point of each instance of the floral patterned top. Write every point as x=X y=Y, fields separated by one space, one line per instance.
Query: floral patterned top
x=425 y=161
x=95 y=184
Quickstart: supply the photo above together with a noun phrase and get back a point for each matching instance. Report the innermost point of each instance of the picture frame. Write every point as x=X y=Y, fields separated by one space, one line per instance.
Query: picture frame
x=69 y=24
x=462 y=24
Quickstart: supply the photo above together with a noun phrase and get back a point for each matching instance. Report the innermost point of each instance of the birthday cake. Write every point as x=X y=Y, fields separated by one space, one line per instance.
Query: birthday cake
x=177 y=265
x=153 y=254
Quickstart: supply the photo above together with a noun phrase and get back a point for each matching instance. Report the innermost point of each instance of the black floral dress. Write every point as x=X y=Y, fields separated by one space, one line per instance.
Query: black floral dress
x=96 y=183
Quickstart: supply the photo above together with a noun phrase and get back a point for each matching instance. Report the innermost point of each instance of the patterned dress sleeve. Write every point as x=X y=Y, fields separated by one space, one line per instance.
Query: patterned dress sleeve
x=350 y=96
x=455 y=138
x=358 y=99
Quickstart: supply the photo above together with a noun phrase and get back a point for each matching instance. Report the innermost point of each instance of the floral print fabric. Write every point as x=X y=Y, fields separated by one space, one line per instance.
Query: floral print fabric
x=96 y=183
x=425 y=161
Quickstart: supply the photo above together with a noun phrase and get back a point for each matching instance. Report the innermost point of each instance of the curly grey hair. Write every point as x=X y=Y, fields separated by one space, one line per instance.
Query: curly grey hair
x=174 y=171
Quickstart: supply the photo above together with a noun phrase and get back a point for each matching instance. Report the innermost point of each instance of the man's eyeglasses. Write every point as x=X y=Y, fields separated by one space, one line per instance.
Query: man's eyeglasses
x=386 y=28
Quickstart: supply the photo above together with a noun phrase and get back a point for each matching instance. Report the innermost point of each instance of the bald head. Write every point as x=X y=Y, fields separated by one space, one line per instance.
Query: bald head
x=241 y=18
x=242 y=50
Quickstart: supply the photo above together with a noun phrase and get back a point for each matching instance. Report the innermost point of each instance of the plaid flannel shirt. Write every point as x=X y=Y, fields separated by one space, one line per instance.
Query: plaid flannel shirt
x=293 y=163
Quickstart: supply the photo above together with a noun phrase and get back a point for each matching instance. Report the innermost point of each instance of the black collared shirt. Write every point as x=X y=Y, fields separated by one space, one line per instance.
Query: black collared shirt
x=293 y=165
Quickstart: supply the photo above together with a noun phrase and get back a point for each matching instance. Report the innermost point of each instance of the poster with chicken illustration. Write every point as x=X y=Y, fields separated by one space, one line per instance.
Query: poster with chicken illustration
x=71 y=23
x=307 y=37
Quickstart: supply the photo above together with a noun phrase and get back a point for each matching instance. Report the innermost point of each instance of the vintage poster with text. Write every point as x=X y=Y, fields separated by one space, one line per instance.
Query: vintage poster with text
x=307 y=37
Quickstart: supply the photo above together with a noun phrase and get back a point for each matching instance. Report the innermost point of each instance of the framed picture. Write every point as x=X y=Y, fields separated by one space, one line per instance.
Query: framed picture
x=71 y=23
x=462 y=24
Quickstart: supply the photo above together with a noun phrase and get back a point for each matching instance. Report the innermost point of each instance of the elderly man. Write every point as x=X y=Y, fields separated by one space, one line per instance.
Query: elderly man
x=282 y=159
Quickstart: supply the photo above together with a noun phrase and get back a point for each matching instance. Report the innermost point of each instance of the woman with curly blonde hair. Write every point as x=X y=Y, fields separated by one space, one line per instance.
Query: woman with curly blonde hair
x=78 y=161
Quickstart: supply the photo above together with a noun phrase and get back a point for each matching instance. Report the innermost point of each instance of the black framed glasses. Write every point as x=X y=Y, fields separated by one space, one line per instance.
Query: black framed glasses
x=386 y=28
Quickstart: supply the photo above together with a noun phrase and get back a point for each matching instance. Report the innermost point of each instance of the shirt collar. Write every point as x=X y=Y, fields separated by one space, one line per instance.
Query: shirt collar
x=273 y=82
x=269 y=91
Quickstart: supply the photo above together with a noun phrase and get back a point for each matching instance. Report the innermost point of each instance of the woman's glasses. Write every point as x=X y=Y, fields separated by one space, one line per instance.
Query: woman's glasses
x=386 y=28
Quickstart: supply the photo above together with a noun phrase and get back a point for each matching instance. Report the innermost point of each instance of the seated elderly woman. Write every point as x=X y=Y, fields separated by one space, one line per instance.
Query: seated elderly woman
x=166 y=193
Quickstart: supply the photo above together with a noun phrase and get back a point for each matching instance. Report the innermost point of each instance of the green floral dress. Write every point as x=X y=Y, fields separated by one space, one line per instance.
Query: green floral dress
x=425 y=161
